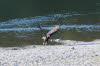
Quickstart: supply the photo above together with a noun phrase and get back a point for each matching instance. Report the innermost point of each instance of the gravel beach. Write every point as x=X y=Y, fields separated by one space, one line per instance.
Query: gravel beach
x=56 y=55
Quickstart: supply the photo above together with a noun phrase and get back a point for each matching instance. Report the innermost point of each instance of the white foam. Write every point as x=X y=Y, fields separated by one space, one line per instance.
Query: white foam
x=74 y=42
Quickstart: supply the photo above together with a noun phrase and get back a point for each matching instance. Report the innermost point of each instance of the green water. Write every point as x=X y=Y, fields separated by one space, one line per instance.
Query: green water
x=30 y=8
x=25 y=31
x=19 y=20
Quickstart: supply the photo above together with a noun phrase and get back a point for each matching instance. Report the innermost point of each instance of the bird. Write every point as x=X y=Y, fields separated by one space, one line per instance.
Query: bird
x=50 y=34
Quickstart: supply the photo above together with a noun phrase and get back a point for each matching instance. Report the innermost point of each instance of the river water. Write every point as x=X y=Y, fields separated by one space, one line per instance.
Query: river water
x=74 y=27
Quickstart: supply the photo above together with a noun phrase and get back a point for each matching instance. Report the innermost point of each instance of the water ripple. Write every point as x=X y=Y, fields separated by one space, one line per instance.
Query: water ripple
x=66 y=27
x=27 y=22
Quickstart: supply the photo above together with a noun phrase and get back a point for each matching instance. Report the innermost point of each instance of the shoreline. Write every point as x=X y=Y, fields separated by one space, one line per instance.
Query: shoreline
x=58 y=55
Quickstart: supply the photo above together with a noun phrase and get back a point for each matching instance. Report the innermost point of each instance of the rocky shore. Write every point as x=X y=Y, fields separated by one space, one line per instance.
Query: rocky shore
x=57 y=55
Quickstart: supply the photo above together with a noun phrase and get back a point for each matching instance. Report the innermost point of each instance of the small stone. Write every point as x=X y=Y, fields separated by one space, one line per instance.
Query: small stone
x=73 y=48
x=63 y=53
x=96 y=55
x=14 y=48
x=34 y=46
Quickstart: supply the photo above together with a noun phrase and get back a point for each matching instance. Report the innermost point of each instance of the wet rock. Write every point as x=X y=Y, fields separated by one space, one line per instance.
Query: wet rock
x=15 y=49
